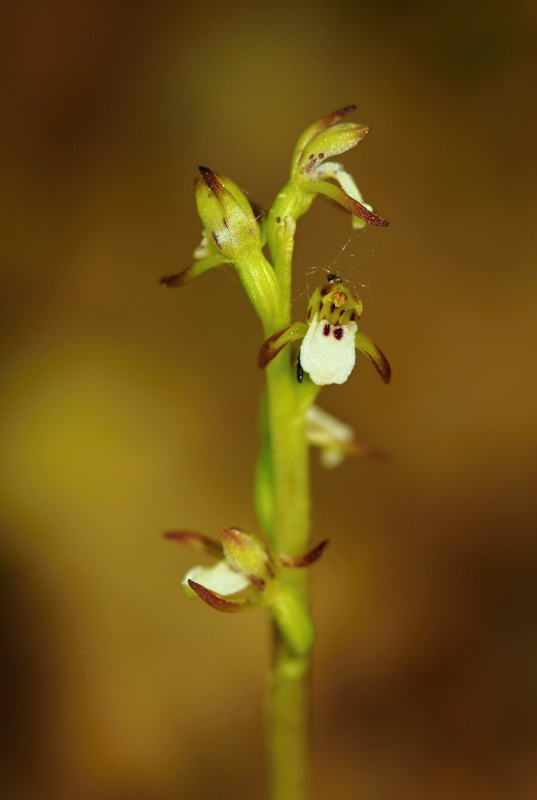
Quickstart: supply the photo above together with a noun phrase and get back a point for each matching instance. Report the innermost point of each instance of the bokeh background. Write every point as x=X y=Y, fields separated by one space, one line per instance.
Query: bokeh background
x=128 y=409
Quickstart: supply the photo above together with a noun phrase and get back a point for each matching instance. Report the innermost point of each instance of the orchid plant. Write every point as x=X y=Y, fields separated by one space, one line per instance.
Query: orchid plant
x=298 y=357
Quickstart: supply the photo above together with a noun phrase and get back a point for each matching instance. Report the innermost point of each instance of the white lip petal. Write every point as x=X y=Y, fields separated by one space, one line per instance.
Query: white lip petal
x=328 y=351
x=220 y=578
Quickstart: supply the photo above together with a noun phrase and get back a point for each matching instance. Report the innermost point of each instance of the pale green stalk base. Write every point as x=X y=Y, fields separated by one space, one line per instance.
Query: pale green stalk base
x=288 y=723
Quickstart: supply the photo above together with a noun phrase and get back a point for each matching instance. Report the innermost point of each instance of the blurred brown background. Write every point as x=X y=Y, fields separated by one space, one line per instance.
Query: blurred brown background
x=128 y=409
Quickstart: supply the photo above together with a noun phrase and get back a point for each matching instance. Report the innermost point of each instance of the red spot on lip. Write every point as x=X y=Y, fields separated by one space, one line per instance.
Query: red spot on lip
x=338 y=333
x=326 y=330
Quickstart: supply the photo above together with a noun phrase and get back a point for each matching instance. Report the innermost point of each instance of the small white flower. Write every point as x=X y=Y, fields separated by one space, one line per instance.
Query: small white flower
x=328 y=351
x=220 y=578
x=332 y=436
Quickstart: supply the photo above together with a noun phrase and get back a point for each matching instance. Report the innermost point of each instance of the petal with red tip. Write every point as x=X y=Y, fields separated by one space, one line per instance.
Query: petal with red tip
x=213 y=600
x=340 y=197
x=279 y=340
x=197 y=541
x=378 y=359
x=303 y=560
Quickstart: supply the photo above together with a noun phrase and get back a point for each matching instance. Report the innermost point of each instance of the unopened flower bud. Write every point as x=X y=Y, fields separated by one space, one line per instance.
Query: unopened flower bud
x=226 y=215
x=246 y=555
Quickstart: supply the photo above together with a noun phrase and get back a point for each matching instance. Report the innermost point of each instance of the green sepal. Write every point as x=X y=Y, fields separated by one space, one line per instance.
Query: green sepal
x=278 y=340
x=337 y=172
x=197 y=268
x=375 y=354
x=314 y=129
x=219 y=603
x=331 y=142
x=226 y=214
x=340 y=197
x=246 y=555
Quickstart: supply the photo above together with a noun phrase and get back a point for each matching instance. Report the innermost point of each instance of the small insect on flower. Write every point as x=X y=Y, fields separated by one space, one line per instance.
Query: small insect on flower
x=299 y=370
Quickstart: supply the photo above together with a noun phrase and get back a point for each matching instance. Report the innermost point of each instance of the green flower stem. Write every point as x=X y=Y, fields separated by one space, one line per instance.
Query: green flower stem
x=287 y=485
x=289 y=205
x=289 y=452
x=288 y=703
x=288 y=723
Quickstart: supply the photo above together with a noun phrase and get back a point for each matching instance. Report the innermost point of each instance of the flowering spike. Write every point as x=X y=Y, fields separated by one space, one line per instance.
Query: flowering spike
x=197 y=541
x=304 y=560
x=213 y=600
x=378 y=359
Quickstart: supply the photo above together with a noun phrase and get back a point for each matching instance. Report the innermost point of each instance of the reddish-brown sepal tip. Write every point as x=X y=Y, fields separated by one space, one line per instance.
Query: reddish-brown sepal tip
x=197 y=541
x=335 y=116
x=364 y=213
x=173 y=280
x=376 y=220
x=211 y=180
x=213 y=600
x=339 y=196
x=305 y=560
x=366 y=451
x=233 y=534
x=383 y=367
